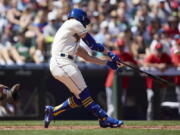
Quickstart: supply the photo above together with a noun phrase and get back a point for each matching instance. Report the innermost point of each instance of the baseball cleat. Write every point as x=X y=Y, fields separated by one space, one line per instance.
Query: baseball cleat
x=48 y=116
x=110 y=122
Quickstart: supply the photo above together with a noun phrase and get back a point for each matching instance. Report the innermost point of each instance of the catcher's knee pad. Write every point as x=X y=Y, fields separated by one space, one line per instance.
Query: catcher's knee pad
x=90 y=105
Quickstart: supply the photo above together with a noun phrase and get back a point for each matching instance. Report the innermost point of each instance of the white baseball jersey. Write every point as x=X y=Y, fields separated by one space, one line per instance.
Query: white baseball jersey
x=63 y=69
x=67 y=38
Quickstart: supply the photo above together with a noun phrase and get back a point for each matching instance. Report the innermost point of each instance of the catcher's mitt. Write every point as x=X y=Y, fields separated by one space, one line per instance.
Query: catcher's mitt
x=10 y=94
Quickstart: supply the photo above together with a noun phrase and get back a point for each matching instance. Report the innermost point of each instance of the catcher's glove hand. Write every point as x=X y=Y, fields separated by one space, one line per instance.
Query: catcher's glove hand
x=10 y=94
x=14 y=90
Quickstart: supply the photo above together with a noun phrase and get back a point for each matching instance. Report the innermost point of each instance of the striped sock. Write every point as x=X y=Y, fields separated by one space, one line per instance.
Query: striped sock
x=87 y=102
x=68 y=104
x=91 y=106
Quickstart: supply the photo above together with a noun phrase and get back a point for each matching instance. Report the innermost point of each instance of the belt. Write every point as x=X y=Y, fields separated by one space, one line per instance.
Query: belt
x=66 y=56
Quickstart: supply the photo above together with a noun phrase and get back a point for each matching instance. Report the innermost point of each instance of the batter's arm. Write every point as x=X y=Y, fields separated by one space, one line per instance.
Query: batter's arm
x=91 y=43
x=81 y=52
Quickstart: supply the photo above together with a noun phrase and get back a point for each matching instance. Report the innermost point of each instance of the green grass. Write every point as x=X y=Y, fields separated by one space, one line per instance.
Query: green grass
x=108 y=131
x=76 y=122
x=92 y=132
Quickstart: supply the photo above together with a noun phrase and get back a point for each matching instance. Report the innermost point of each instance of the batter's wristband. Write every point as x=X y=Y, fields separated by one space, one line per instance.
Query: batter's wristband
x=114 y=57
x=110 y=54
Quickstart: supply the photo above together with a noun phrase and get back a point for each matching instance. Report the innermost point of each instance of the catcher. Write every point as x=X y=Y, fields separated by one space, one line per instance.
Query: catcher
x=9 y=94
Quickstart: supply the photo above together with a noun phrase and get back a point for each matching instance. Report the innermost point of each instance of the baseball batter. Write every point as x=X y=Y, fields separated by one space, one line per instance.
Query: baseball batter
x=62 y=66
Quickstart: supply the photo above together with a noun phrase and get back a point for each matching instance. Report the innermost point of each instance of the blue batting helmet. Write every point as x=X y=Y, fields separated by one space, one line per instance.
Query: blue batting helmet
x=79 y=15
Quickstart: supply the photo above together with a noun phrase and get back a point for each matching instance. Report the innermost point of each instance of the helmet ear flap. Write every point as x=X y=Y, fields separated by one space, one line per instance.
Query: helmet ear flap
x=83 y=18
x=87 y=21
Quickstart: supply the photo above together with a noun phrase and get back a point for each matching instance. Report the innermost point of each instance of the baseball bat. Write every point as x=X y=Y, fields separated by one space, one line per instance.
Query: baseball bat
x=156 y=78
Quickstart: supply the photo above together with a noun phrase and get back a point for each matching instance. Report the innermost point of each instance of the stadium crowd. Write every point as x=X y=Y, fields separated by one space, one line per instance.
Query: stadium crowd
x=148 y=31
x=27 y=27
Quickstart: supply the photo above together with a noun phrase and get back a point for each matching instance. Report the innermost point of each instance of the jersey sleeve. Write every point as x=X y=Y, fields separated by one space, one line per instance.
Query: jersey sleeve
x=175 y=59
x=79 y=28
x=131 y=59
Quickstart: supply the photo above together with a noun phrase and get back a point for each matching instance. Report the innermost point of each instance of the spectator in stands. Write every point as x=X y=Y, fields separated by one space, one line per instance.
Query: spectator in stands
x=163 y=10
x=122 y=21
x=39 y=24
x=174 y=7
x=3 y=19
x=4 y=57
x=2 y=61
x=26 y=17
x=134 y=18
x=13 y=16
x=171 y=27
x=26 y=48
x=113 y=29
x=138 y=48
x=152 y=30
x=51 y=28
x=123 y=5
x=8 y=52
x=126 y=57
x=160 y=61
x=100 y=36
x=175 y=55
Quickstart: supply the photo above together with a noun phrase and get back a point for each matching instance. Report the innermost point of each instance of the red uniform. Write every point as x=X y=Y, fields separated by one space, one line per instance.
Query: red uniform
x=152 y=58
x=126 y=57
x=171 y=32
x=176 y=61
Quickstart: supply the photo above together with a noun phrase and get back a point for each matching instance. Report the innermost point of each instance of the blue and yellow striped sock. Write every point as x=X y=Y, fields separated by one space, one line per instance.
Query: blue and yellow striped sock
x=91 y=106
x=70 y=103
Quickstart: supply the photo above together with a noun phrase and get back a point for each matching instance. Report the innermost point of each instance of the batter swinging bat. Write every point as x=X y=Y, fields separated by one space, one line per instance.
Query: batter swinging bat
x=156 y=78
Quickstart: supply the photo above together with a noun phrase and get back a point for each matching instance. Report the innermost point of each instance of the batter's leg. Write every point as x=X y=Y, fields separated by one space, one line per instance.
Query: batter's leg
x=51 y=112
x=70 y=103
x=97 y=111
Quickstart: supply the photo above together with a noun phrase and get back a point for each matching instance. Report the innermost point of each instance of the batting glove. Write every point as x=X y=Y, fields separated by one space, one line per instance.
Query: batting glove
x=113 y=56
x=112 y=65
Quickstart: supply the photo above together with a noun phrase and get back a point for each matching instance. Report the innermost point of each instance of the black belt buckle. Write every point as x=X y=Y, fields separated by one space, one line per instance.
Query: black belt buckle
x=62 y=55
x=68 y=56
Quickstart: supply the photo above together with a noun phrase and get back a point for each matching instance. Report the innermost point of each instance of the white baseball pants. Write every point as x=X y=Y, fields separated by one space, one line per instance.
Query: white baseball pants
x=67 y=72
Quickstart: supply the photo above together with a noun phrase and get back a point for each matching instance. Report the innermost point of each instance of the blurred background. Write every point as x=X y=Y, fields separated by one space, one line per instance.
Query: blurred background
x=144 y=33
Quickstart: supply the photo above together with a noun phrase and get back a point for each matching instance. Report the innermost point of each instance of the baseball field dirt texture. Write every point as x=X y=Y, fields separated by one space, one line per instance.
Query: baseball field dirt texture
x=89 y=128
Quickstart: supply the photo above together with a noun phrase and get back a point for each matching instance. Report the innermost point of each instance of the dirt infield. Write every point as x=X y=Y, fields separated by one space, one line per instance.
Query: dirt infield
x=85 y=127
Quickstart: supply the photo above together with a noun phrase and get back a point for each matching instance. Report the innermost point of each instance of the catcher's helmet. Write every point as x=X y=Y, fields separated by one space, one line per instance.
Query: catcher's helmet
x=79 y=15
